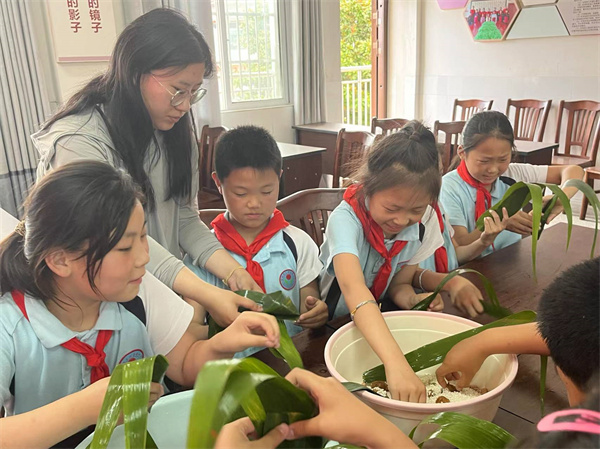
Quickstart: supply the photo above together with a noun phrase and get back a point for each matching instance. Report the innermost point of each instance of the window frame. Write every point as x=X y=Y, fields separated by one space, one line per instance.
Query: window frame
x=227 y=104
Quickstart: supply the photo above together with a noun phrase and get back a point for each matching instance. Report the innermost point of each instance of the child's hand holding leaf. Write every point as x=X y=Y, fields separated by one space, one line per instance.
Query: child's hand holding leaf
x=494 y=225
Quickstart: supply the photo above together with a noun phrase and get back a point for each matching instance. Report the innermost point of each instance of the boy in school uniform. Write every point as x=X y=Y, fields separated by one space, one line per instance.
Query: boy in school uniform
x=567 y=330
x=279 y=257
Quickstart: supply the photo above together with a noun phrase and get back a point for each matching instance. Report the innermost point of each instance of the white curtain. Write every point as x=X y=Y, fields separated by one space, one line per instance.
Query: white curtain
x=198 y=12
x=23 y=104
x=308 y=66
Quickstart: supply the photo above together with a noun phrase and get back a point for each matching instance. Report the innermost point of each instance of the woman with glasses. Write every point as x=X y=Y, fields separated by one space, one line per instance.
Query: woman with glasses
x=135 y=116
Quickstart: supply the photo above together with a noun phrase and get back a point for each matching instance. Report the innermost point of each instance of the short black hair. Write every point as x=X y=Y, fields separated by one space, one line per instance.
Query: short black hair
x=568 y=318
x=246 y=146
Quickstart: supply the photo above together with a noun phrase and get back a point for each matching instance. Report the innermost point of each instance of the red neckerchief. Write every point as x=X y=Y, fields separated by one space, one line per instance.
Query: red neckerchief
x=441 y=254
x=95 y=357
x=233 y=241
x=375 y=237
x=484 y=197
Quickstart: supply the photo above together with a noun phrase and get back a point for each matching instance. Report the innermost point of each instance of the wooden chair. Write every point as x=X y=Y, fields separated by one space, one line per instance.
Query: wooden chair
x=350 y=148
x=527 y=118
x=309 y=210
x=582 y=130
x=208 y=195
x=452 y=131
x=469 y=108
x=387 y=125
x=208 y=215
x=591 y=174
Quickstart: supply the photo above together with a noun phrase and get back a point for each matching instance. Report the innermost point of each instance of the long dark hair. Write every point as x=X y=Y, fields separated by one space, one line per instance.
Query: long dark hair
x=159 y=39
x=81 y=206
x=482 y=126
x=408 y=157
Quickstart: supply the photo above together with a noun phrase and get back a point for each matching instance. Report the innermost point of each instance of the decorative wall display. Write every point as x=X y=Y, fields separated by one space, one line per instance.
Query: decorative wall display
x=539 y=21
x=82 y=30
x=580 y=16
x=452 y=4
x=490 y=20
x=528 y=3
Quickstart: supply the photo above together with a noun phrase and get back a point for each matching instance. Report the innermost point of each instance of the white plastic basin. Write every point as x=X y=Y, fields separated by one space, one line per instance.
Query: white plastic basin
x=348 y=355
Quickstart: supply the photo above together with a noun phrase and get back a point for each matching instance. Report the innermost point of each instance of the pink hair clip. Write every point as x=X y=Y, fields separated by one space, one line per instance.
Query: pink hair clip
x=571 y=420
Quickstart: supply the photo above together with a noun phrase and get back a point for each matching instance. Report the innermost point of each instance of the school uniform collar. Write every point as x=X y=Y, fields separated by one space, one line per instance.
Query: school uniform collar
x=408 y=234
x=496 y=193
x=51 y=332
x=275 y=245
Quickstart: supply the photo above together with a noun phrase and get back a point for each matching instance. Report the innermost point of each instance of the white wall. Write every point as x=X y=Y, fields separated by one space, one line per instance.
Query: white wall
x=330 y=10
x=453 y=66
x=277 y=120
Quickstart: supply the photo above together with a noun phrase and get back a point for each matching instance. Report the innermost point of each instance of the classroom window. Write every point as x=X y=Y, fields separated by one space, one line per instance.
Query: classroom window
x=250 y=54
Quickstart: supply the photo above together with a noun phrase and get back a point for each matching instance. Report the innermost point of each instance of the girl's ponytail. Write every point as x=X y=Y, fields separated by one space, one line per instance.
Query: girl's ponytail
x=15 y=271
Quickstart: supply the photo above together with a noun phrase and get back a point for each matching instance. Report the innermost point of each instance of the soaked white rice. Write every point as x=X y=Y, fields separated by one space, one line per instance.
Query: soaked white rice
x=435 y=390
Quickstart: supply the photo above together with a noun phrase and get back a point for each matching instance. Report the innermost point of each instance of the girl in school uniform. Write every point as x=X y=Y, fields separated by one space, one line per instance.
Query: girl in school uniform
x=376 y=237
x=76 y=301
x=138 y=116
x=483 y=176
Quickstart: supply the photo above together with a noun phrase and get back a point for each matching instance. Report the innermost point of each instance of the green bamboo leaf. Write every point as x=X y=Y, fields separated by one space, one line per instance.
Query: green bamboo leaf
x=514 y=199
x=434 y=353
x=287 y=350
x=129 y=391
x=543 y=371
x=559 y=195
x=487 y=285
x=274 y=303
x=466 y=432
x=223 y=386
x=495 y=310
x=592 y=199
x=353 y=387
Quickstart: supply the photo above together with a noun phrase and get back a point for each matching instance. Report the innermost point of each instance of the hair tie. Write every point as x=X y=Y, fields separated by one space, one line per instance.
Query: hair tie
x=415 y=136
x=20 y=228
x=572 y=420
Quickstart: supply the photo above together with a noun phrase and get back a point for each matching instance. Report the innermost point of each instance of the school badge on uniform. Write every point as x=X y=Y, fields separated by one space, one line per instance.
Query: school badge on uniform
x=287 y=279
x=136 y=354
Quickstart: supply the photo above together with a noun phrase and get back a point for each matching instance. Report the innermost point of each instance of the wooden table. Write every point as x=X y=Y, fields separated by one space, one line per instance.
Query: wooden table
x=536 y=153
x=510 y=272
x=302 y=167
x=324 y=135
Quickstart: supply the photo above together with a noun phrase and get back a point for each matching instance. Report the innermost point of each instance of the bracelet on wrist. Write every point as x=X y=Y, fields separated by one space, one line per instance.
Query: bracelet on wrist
x=421 y=278
x=363 y=304
x=226 y=279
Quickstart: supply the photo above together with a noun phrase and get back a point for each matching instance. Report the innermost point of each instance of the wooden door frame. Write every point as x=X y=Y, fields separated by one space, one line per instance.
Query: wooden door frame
x=379 y=21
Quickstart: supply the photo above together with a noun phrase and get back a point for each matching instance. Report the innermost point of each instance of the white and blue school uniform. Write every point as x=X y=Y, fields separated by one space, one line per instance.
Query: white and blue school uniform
x=344 y=234
x=458 y=198
x=283 y=271
x=448 y=233
x=37 y=370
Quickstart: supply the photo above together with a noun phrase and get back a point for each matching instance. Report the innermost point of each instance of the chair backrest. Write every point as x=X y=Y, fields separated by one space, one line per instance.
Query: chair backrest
x=350 y=148
x=453 y=131
x=309 y=210
x=469 y=108
x=206 y=150
x=527 y=118
x=387 y=125
x=581 y=118
x=208 y=215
